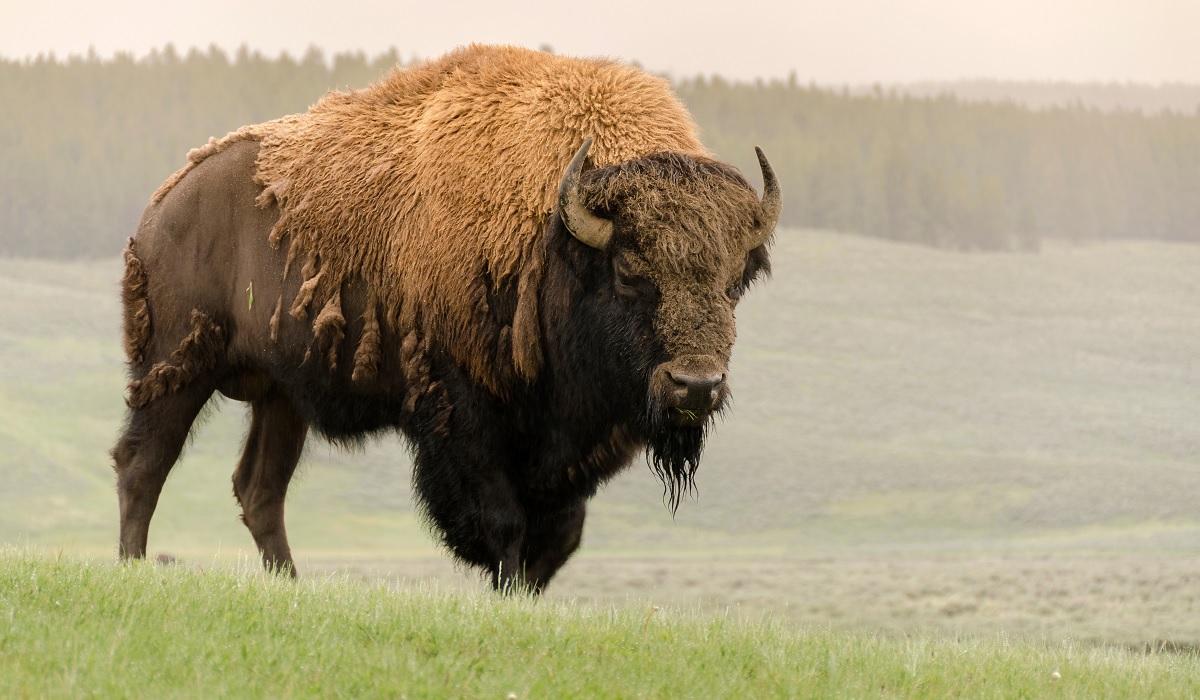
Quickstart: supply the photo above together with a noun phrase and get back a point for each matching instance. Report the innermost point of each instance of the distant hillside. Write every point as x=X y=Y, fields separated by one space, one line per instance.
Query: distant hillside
x=1108 y=97
x=886 y=395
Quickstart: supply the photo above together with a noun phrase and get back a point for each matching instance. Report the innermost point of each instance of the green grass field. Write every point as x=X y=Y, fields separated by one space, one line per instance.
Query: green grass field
x=921 y=441
x=85 y=629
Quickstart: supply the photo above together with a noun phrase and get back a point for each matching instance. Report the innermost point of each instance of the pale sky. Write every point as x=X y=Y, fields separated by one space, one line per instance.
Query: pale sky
x=830 y=42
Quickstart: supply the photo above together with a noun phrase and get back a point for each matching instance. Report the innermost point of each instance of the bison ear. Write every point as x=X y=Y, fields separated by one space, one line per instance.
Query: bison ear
x=772 y=203
x=583 y=224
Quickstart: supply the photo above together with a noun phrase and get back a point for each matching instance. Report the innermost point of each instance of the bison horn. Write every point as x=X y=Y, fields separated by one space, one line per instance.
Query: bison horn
x=584 y=225
x=772 y=203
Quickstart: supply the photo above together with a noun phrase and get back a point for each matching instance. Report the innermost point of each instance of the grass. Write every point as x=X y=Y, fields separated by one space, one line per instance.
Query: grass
x=76 y=628
x=905 y=421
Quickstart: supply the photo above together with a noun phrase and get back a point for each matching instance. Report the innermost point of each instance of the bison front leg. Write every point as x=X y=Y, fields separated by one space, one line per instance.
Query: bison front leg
x=550 y=540
x=493 y=533
x=273 y=447
x=484 y=522
x=466 y=494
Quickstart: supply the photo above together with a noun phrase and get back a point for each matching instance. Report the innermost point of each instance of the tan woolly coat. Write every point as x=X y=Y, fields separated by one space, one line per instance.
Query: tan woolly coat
x=435 y=184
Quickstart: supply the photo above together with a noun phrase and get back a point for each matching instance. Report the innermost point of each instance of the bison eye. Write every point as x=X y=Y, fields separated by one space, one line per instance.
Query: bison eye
x=627 y=285
x=734 y=292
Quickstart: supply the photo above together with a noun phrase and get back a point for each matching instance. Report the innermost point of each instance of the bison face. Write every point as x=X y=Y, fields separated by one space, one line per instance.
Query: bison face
x=694 y=327
x=683 y=237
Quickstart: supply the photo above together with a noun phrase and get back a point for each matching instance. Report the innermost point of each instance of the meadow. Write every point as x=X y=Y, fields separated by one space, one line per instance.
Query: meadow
x=921 y=442
x=97 y=629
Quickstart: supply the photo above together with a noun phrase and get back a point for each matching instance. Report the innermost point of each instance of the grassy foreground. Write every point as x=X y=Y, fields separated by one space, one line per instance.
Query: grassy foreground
x=74 y=628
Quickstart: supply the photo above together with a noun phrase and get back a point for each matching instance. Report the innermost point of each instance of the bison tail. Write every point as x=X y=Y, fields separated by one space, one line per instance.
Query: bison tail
x=197 y=353
x=136 y=304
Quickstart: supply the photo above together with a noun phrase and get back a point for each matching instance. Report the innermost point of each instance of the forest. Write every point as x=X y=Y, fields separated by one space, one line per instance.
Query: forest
x=85 y=140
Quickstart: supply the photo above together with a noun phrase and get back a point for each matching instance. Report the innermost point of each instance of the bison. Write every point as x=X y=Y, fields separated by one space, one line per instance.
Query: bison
x=527 y=264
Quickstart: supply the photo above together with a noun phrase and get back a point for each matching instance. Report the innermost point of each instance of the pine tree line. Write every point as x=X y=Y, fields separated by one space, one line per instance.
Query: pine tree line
x=83 y=143
x=961 y=175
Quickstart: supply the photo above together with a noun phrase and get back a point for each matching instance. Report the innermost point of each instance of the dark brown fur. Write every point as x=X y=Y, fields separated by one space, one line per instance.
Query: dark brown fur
x=411 y=233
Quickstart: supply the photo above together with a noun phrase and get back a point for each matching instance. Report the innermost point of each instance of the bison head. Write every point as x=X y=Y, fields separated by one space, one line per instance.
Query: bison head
x=681 y=238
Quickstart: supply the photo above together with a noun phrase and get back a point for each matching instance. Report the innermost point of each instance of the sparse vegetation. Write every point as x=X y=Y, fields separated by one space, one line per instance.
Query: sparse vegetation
x=690 y=415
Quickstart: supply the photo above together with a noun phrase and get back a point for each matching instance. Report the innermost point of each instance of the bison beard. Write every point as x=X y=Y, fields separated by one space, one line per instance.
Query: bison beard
x=673 y=453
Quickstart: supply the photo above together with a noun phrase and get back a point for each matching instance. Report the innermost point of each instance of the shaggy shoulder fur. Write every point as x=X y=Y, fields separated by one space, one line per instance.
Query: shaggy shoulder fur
x=436 y=183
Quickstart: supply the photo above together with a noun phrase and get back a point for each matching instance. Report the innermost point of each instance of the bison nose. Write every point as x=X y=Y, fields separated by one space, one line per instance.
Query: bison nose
x=695 y=392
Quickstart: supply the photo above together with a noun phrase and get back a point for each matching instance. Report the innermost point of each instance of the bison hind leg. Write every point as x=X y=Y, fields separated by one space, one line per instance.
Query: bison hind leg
x=172 y=381
x=274 y=444
x=151 y=443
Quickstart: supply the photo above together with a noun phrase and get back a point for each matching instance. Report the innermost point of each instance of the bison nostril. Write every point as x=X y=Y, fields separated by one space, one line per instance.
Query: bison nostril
x=696 y=391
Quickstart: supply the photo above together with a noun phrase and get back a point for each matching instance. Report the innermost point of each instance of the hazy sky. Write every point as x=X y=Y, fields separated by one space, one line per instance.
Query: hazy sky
x=846 y=41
